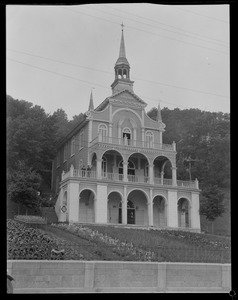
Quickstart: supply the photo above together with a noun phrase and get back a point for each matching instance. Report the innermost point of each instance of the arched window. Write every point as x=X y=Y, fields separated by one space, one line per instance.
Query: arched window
x=130 y=167
x=102 y=131
x=149 y=139
x=126 y=135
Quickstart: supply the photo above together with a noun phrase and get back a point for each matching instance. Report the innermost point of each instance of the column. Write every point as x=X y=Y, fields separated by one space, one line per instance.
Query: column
x=174 y=145
x=125 y=164
x=99 y=168
x=71 y=171
x=100 y=204
x=119 y=135
x=160 y=140
x=151 y=173
x=73 y=202
x=194 y=212
x=172 y=209
x=174 y=176
x=150 y=208
x=143 y=136
x=162 y=177
x=90 y=130
x=196 y=184
x=110 y=132
x=124 y=206
x=134 y=136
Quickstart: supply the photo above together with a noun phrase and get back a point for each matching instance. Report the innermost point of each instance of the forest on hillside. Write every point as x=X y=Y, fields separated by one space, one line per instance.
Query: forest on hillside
x=202 y=143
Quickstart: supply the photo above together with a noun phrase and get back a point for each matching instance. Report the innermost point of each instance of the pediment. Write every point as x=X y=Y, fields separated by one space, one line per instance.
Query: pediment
x=126 y=98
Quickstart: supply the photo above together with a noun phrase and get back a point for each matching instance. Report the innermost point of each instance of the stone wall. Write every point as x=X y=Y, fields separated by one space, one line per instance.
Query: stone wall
x=34 y=276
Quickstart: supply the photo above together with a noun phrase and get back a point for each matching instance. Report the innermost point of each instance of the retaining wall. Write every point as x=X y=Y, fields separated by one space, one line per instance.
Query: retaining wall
x=34 y=276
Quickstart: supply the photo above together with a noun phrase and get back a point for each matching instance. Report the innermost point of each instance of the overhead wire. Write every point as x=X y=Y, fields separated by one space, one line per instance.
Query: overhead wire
x=142 y=30
x=184 y=34
x=110 y=73
x=159 y=22
x=196 y=13
x=91 y=83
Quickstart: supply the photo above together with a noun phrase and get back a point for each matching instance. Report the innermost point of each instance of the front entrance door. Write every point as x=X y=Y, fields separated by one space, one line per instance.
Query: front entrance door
x=130 y=216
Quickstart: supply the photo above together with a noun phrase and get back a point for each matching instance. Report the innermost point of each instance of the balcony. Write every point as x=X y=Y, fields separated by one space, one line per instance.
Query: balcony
x=115 y=177
x=132 y=143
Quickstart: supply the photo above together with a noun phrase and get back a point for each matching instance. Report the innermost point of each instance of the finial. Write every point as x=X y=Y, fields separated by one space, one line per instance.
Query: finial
x=122 y=25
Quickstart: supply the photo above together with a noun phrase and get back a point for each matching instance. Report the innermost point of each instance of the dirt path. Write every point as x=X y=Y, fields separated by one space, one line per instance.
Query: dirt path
x=77 y=245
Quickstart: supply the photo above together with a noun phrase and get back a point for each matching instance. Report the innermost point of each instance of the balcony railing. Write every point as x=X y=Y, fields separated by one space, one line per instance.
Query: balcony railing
x=132 y=143
x=130 y=178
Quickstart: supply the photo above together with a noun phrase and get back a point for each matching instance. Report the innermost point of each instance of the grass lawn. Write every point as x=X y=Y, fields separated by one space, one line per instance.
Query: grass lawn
x=154 y=245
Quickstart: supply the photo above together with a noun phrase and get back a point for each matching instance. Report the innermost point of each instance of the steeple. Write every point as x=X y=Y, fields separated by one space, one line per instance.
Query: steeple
x=122 y=70
x=159 y=117
x=91 y=106
x=122 y=53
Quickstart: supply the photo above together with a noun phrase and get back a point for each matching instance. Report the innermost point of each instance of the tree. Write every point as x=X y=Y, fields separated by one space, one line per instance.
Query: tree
x=211 y=203
x=23 y=186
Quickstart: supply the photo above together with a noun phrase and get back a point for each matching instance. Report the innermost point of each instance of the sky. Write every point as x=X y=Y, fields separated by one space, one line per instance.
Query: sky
x=178 y=54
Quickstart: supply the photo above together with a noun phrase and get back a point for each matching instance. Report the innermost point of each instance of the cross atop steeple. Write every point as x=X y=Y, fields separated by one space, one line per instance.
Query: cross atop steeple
x=122 y=25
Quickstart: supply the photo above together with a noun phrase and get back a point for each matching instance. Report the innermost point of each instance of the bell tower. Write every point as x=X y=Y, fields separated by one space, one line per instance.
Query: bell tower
x=122 y=70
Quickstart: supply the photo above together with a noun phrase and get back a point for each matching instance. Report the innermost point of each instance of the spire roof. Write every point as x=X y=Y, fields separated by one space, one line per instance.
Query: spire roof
x=91 y=106
x=122 y=52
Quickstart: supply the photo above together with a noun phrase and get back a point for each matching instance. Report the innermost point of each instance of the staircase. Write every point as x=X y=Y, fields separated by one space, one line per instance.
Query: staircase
x=49 y=214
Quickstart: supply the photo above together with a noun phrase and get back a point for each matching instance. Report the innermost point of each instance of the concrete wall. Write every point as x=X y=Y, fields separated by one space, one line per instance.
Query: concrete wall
x=32 y=276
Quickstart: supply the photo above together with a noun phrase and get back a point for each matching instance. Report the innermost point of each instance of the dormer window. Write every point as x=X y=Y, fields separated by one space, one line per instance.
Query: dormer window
x=149 y=139
x=102 y=131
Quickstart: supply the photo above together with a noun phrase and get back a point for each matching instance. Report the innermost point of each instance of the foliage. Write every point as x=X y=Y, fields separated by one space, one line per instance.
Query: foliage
x=30 y=219
x=212 y=202
x=23 y=186
x=28 y=243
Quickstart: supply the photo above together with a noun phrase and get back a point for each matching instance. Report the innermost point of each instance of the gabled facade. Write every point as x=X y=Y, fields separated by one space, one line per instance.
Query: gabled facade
x=114 y=168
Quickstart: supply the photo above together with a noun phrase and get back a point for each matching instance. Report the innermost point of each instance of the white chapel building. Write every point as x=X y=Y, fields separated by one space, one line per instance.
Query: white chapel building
x=113 y=167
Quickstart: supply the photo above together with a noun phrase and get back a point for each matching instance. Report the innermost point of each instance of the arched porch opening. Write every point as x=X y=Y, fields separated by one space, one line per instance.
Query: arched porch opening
x=86 y=206
x=141 y=168
x=130 y=212
x=109 y=165
x=159 y=211
x=137 y=210
x=113 y=208
x=162 y=170
x=183 y=213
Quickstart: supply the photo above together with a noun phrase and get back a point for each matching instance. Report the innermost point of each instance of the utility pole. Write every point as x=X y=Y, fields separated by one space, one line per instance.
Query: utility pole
x=190 y=160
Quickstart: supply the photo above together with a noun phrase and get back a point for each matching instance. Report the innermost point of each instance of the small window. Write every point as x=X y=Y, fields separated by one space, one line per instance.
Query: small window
x=81 y=136
x=72 y=148
x=65 y=152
